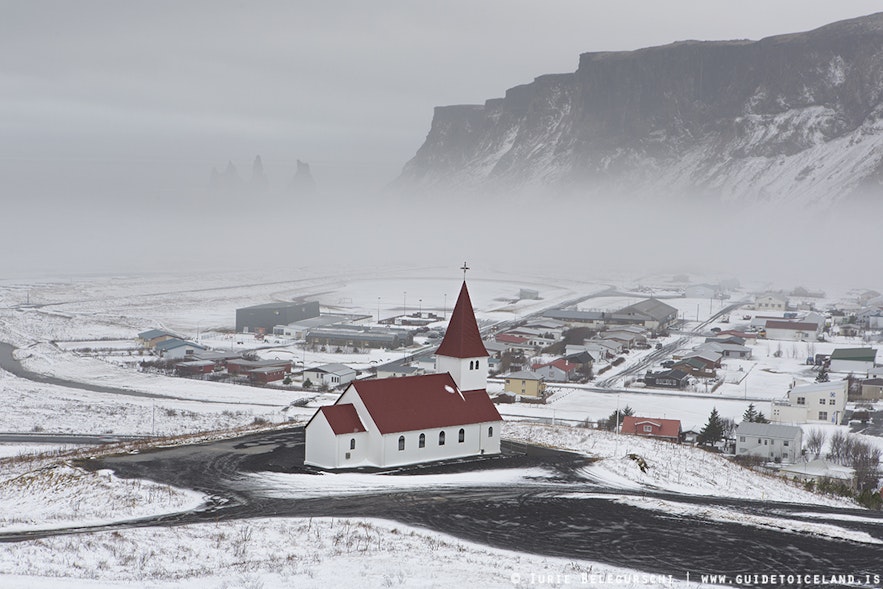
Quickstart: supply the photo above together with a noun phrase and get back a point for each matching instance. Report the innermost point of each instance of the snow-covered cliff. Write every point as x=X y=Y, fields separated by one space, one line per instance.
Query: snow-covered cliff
x=791 y=118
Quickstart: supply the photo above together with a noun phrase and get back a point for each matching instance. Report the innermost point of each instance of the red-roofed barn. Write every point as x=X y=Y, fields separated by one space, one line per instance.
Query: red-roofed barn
x=397 y=421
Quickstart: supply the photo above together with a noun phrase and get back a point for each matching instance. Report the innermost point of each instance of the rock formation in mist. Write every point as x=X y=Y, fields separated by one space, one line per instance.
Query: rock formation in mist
x=259 y=183
x=791 y=118
x=229 y=186
x=303 y=183
x=228 y=182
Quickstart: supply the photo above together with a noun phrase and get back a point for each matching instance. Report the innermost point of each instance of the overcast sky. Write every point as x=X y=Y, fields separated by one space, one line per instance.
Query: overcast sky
x=140 y=99
x=343 y=85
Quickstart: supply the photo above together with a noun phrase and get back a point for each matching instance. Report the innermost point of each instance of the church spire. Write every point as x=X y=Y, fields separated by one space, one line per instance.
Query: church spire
x=462 y=338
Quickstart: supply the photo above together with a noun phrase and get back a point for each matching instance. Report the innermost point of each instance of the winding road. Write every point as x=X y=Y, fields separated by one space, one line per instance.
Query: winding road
x=568 y=513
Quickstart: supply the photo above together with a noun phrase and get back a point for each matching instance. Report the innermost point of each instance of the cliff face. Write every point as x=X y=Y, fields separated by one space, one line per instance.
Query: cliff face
x=788 y=118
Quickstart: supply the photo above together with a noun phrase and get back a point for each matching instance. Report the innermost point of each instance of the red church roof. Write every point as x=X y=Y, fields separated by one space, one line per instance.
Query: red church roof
x=462 y=339
x=423 y=402
x=343 y=419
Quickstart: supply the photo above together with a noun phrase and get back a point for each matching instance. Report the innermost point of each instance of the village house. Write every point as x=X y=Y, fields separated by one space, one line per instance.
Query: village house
x=823 y=402
x=176 y=349
x=559 y=370
x=651 y=313
x=331 y=375
x=652 y=427
x=399 y=421
x=769 y=441
x=800 y=331
x=266 y=374
x=872 y=389
x=855 y=360
x=669 y=379
x=151 y=337
x=526 y=384
x=771 y=302
x=194 y=367
x=696 y=366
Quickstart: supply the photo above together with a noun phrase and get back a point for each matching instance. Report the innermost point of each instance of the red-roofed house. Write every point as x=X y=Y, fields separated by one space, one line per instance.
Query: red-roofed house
x=397 y=421
x=663 y=429
x=559 y=370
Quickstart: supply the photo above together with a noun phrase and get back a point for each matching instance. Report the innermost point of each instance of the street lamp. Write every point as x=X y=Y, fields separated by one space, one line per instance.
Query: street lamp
x=378 y=309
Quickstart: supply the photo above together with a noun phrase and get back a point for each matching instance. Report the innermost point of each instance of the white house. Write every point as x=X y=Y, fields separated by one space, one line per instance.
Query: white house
x=857 y=360
x=410 y=420
x=800 y=331
x=771 y=302
x=332 y=375
x=770 y=441
x=822 y=402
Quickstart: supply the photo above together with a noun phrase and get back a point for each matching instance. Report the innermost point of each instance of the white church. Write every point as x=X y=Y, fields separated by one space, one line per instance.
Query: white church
x=398 y=421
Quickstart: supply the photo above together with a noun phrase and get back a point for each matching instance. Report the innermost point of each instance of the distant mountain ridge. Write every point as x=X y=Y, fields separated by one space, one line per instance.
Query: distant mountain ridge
x=789 y=118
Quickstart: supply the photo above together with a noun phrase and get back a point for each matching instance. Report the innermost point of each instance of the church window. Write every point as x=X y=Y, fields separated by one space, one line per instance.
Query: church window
x=477 y=362
x=401 y=443
x=490 y=432
x=422 y=441
x=441 y=438
x=352 y=443
x=462 y=435
x=471 y=365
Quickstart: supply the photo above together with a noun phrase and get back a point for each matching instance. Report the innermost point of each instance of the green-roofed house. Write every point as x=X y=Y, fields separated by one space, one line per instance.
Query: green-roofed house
x=856 y=360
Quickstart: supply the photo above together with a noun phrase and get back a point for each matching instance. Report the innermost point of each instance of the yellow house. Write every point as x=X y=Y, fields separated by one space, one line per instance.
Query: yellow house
x=526 y=384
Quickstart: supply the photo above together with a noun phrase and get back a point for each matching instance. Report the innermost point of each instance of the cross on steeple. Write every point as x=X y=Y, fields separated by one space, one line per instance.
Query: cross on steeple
x=464 y=268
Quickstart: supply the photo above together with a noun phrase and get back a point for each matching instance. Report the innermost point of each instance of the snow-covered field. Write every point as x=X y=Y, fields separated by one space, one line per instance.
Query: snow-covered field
x=322 y=552
x=107 y=312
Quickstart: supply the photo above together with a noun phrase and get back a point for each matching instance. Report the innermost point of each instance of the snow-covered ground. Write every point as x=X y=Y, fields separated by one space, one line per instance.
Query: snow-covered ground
x=107 y=312
x=671 y=467
x=321 y=552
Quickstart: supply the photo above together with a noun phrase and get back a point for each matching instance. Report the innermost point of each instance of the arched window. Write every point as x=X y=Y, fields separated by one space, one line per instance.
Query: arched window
x=352 y=443
x=422 y=442
x=441 y=438
x=462 y=436
x=490 y=431
x=401 y=443
x=471 y=365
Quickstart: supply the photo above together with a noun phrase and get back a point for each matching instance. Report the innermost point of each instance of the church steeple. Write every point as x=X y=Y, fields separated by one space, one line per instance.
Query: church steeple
x=462 y=353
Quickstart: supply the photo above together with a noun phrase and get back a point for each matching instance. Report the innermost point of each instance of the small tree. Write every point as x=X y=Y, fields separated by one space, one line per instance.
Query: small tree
x=728 y=427
x=814 y=442
x=616 y=417
x=823 y=374
x=308 y=384
x=761 y=418
x=750 y=414
x=713 y=431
